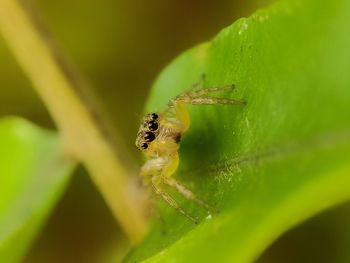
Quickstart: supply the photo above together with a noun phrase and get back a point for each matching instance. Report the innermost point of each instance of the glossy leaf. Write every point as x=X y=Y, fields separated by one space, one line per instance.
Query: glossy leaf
x=277 y=161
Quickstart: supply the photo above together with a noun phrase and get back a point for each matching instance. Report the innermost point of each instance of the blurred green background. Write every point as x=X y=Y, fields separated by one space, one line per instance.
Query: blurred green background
x=120 y=47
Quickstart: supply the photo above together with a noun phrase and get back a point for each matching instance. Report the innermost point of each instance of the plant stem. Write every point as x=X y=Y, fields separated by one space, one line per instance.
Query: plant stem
x=82 y=133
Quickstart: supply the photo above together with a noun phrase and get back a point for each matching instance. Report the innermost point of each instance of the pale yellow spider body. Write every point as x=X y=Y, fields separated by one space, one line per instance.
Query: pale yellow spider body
x=159 y=136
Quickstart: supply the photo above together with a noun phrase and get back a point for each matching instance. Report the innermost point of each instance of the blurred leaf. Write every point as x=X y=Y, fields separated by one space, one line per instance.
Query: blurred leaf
x=279 y=160
x=33 y=175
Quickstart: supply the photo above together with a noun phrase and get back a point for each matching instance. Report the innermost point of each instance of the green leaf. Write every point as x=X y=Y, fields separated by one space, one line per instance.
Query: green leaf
x=33 y=175
x=277 y=161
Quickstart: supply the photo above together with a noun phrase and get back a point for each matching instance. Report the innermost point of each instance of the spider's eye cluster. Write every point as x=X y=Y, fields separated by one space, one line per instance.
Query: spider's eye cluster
x=151 y=125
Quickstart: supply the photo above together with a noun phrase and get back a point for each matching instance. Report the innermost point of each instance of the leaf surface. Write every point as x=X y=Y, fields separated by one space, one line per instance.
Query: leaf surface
x=277 y=161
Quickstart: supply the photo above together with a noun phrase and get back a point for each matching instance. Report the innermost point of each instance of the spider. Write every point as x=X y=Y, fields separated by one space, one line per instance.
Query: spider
x=159 y=136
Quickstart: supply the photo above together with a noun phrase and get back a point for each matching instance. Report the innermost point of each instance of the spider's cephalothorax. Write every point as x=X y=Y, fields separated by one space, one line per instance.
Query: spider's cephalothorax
x=158 y=138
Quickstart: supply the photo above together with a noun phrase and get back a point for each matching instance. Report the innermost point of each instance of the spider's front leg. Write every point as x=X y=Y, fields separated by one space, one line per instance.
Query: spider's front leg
x=166 y=167
x=187 y=193
x=199 y=97
x=156 y=185
x=154 y=171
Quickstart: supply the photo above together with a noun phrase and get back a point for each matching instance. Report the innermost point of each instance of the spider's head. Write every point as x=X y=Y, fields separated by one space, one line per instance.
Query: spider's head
x=148 y=131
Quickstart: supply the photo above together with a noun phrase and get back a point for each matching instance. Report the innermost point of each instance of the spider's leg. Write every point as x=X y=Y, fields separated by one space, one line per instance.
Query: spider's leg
x=179 y=104
x=205 y=91
x=203 y=100
x=187 y=193
x=181 y=112
x=151 y=168
x=200 y=97
x=167 y=198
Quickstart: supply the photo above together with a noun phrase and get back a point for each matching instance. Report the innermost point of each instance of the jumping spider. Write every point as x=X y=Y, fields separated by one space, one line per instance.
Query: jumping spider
x=159 y=136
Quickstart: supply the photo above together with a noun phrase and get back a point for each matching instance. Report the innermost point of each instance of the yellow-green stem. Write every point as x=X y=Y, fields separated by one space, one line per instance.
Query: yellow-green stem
x=81 y=134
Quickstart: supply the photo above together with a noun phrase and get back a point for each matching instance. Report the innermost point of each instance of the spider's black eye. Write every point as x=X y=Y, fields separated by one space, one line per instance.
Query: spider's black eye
x=152 y=126
x=144 y=146
x=149 y=136
x=154 y=116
